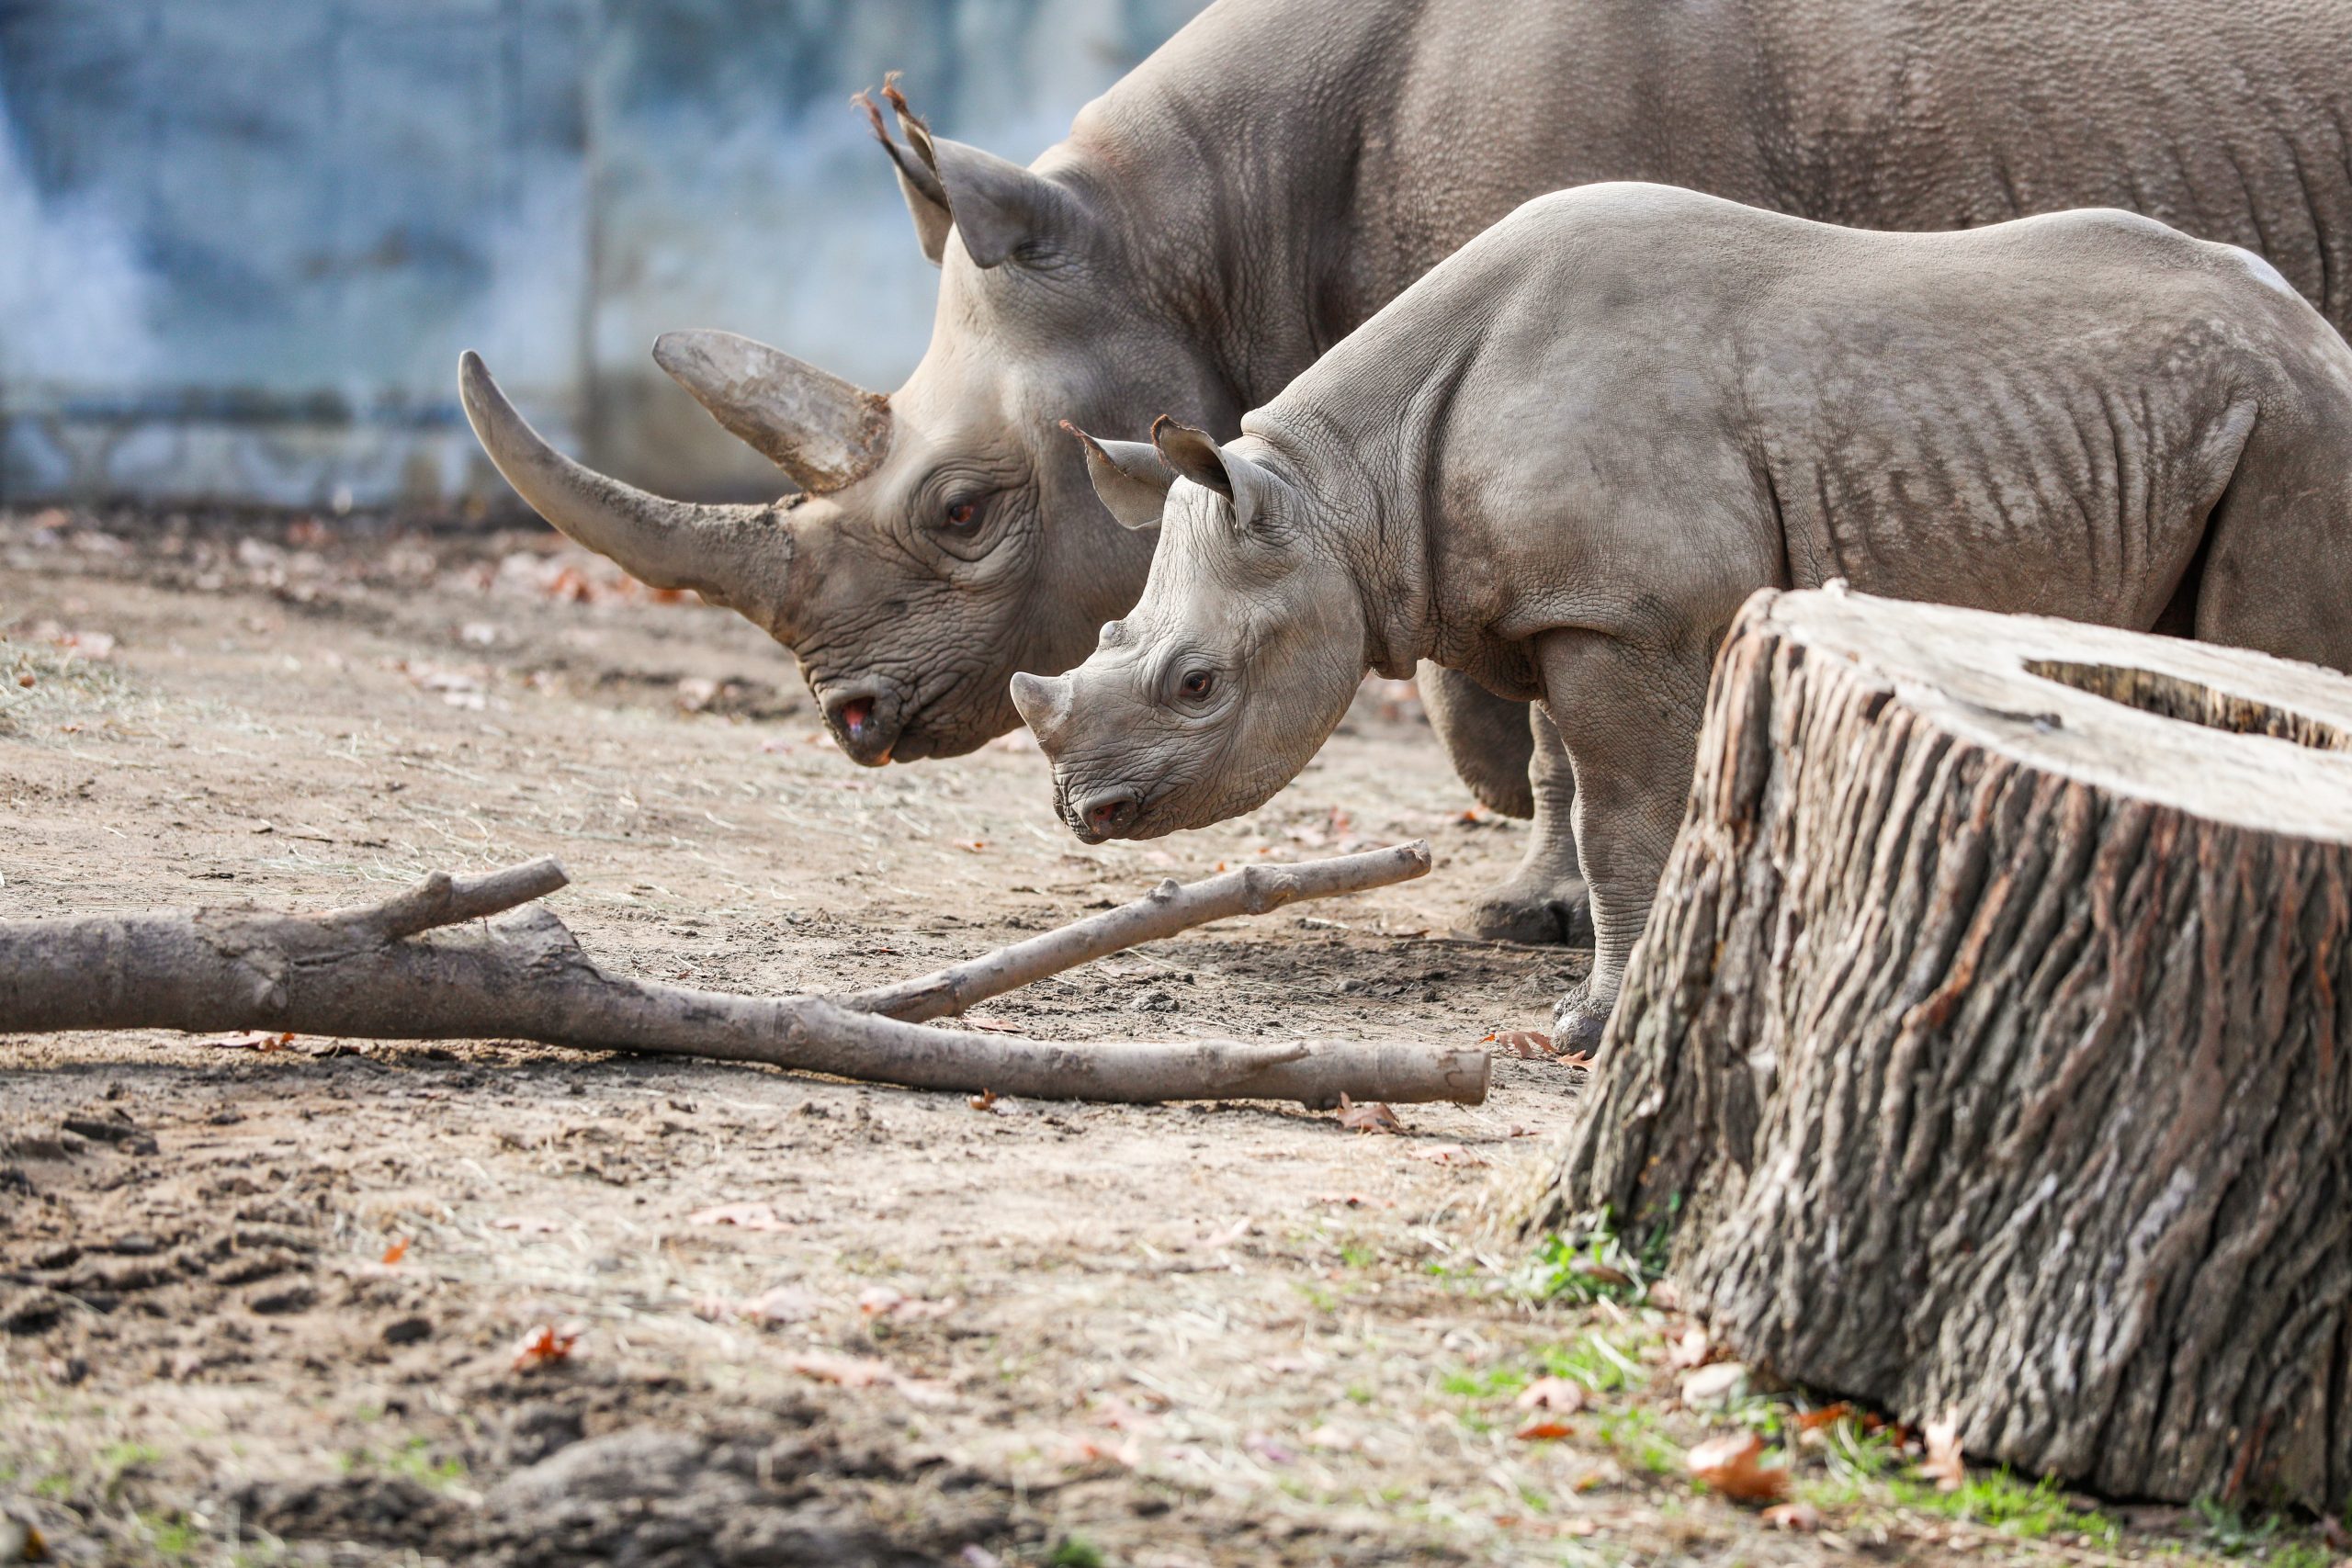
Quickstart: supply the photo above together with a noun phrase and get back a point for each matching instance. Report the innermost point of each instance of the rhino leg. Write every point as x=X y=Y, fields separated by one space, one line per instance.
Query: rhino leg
x=1485 y=736
x=1544 y=900
x=1509 y=755
x=1629 y=715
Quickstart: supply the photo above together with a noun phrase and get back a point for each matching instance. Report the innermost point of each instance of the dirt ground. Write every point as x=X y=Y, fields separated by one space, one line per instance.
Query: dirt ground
x=263 y=1306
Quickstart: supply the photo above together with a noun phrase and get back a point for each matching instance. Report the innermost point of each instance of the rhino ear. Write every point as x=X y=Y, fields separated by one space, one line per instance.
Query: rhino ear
x=926 y=199
x=1196 y=455
x=1001 y=211
x=1129 y=476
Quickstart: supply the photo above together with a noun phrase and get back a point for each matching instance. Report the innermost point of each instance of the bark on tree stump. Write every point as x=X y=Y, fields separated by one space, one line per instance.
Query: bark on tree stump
x=1987 y=1049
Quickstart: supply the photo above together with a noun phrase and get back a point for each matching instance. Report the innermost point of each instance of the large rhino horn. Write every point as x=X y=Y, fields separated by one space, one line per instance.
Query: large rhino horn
x=823 y=431
x=734 y=555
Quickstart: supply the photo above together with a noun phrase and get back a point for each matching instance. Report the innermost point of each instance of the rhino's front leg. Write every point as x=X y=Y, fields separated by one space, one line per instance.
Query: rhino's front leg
x=1511 y=757
x=1629 y=717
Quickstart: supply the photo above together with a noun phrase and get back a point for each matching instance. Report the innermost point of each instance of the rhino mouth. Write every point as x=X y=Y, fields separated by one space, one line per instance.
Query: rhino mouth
x=868 y=719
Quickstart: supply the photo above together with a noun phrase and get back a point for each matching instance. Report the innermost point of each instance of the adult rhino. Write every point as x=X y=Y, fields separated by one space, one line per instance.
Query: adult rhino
x=1279 y=171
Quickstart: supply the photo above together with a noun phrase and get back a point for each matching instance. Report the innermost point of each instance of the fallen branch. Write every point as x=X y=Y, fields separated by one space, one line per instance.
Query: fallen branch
x=1168 y=908
x=375 y=973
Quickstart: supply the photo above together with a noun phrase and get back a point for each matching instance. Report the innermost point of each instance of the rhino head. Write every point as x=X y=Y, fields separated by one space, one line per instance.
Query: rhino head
x=1237 y=663
x=943 y=536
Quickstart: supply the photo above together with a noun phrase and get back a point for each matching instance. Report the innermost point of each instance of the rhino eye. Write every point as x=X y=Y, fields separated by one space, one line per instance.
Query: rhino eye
x=1196 y=685
x=961 y=514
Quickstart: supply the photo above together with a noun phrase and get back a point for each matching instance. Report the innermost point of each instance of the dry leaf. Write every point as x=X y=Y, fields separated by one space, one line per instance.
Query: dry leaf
x=1943 y=1464
x=1523 y=1042
x=544 y=1346
x=1579 y=1059
x=1444 y=1153
x=1828 y=1415
x=1711 y=1385
x=1368 y=1117
x=1544 y=1430
x=1729 y=1466
x=260 y=1040
x=742 y=1216
x=984 y=1101
x=881 y=1301
x=1691 y=1349
x=992 y=1025
x=1217 y=1240
x=536 y=1222
x=784 y=1303
x=1803 y=1517
x=398 y=1250
x=1552 y=1394
x=865 y=1372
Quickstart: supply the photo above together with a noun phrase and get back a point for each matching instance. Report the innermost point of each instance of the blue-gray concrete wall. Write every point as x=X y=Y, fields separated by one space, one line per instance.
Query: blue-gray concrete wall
x=241 y=242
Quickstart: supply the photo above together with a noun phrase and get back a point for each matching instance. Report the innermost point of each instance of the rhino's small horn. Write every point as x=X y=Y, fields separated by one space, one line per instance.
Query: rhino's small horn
x=1043 y=702
x=819 y=429
x=734 y=555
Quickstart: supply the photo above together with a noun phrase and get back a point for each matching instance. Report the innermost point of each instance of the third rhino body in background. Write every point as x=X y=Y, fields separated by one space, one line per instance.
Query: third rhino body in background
x=1282 y=169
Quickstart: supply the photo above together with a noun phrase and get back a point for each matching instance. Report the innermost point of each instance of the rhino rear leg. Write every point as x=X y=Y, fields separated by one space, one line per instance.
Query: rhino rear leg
x=1511 y=757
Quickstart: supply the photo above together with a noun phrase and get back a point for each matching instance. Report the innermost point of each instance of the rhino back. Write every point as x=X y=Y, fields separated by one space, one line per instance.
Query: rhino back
x=1641 y=391
x=1346 y=146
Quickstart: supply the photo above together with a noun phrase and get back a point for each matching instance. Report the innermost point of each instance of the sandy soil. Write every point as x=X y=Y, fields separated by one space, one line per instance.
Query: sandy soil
x=817 y=1322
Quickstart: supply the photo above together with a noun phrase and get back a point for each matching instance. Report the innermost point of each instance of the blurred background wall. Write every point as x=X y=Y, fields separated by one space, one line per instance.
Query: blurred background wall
x=241 y=242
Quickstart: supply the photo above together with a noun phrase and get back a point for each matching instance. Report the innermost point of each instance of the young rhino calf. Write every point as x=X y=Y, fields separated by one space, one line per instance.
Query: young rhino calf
x=1562 y=461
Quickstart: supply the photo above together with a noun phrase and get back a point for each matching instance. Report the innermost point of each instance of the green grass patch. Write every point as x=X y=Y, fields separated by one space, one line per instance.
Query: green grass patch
x=1076 y=1552
x=1999 y=1501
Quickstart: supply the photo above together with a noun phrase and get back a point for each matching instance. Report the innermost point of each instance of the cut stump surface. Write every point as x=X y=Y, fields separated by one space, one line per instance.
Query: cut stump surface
x=1986 y=1046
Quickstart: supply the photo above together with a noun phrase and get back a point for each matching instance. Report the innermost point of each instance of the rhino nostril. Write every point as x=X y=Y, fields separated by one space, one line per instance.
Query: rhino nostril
x=1107 y=815
x=856 y=715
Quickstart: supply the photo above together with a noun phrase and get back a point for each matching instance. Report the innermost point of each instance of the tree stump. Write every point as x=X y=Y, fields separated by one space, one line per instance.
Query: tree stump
x=1986 y=1049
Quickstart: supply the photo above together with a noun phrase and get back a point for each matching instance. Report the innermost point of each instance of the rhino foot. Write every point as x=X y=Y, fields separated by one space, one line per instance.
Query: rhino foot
x=1546 y=911
x=1578 y=1022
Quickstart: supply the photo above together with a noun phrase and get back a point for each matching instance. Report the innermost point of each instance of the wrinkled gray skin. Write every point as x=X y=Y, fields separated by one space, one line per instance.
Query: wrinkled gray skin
x=1282 y=168
x=1563 y=460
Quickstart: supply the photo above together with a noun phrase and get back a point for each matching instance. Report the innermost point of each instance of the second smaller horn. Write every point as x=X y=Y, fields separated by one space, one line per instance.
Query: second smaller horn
x=824 y=432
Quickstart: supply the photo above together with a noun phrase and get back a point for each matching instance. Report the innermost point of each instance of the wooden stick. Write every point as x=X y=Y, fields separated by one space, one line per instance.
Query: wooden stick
x=1168 y=908
x=372 y=973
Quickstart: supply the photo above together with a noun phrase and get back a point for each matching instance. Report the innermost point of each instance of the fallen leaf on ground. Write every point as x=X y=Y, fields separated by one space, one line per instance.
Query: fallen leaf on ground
x=1607 y=1274
x=1691 y=1349
x=1543 y=1429
x=881 y=1301
x=1709 y=1385
x=1368 y=1117
x=1581 y=1059
x=1269 y=1450
x=1730 y=1466
x=784 y=1303
x=1523 y=1042
x=544 y=1346
x=1828 y=1415
x=1803 y=1517
x=261 y=1040
x=992 y=1025
x=742 y=1216
x=1552 y=1394
x=984 y=1101
x=865 y=1372
x=1229 y=1236
x=1943 y=1464
x=398 y=1250
x=1444 y=1153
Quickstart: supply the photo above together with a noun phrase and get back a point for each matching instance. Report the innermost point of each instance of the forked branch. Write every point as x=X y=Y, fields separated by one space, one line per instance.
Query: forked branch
x=422 y=965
